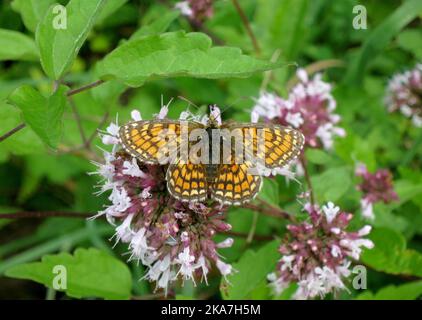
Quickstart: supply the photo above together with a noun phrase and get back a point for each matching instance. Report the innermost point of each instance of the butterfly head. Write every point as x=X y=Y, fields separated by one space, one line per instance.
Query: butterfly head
x=215 y=116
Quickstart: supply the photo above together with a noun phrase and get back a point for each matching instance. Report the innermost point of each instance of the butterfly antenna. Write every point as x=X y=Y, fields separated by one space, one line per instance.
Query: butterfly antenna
x=231 y=105
x=188 y=101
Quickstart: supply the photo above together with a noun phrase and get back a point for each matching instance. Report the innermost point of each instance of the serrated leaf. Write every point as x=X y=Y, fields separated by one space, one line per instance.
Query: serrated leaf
x=390 y=254
x=32 y=11
x=43 y=114
x=17 y=46
x=253 y=268
x=408 y=291
x=177 y=54
x=59 y=47
x=90 y=273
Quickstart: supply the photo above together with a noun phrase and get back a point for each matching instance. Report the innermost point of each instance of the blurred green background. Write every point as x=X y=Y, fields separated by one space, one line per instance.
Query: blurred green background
x=35 y=178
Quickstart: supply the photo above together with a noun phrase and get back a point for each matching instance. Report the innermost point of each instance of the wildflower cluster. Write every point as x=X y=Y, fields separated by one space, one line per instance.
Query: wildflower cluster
x=173 y=239
x=375 y=187
x=404 y=94
x=309 y=108
x=317 y=254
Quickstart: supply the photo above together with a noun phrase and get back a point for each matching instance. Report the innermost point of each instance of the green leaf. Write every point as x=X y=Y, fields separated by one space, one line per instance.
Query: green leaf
x=390 y=254
x=243 y=282
x=270 y=192
x=59 y=47
x=23 y=142
x=381 y=37
x=317 y=156
x=109 y=8
x=90 y=273
x=32 y=11
x=411 y=40
x=43 y=115
x=282 y=23
x=408 y=291
x=177 y=54
x=17 y=46
x=332 y=184
x=158 y=26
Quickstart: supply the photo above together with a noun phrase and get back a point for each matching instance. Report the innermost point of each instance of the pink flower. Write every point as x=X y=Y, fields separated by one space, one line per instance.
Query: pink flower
x=309 y=108
x=198 y=10
x=174 y=240
x=375 y=187
x=404 y=92
x=317 y=253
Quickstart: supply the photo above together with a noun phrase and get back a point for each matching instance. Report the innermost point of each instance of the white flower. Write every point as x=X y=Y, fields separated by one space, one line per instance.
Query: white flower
x=163 y=112
x=124 y=231
x=136 y=115
x=330 y=211
x=354 y=246
x=226 y=243
x=120 y=199
x=330 y=279
x=202 y=263
x=225 y=268
x=266 y=106
x=132 y=169
x=277 y=284
x=184 y=8
x=185 y=259
x=310 y=287
x=287 y=262
x=367 y=209
x=112 y=134
x=335 y=251
x=295 y=119
x=139 y=246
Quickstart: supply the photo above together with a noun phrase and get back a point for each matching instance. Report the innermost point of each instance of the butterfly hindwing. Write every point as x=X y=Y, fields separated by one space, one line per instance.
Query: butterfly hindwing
x=187 y=182
x=233 y=185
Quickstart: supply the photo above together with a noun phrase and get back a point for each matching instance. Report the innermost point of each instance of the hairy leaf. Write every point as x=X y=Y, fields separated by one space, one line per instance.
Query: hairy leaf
x=59 y=47
x=43 y=114
x=177 y=54
x=89 y=273
x=17 y=46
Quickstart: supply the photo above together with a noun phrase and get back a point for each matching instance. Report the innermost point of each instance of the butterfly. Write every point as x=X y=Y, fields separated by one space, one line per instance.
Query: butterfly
x=227 y=180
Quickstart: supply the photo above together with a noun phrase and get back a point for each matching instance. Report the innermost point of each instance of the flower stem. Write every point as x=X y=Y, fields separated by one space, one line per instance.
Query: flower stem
x=13 y=131
x=84 y=88
x=247 y=25
x=408 y=157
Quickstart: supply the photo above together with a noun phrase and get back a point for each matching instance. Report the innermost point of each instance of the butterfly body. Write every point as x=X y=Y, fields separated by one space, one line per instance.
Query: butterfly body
x=221 y=178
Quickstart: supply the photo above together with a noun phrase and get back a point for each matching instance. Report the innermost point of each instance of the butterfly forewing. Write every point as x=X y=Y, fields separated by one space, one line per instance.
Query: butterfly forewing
x=154 y=141
x=274 y=145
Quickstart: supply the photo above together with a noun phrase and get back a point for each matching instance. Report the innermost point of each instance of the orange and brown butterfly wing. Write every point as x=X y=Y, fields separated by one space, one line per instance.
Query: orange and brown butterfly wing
x=152 y=140
x=275 y=145
x=187 y=182
x=233 y=185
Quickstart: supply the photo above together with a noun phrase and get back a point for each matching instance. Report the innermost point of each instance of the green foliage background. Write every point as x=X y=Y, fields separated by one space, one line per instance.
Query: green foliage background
x=43 y=167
